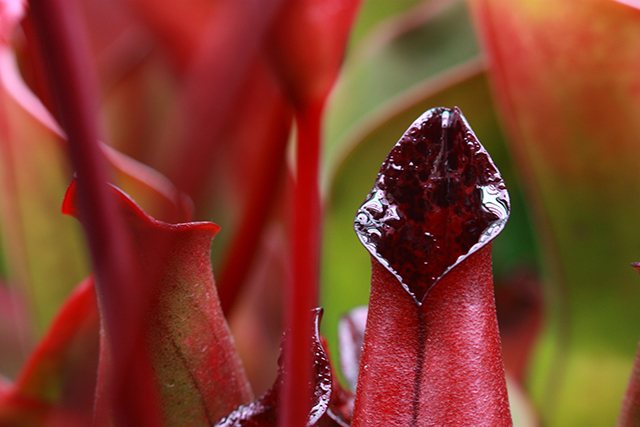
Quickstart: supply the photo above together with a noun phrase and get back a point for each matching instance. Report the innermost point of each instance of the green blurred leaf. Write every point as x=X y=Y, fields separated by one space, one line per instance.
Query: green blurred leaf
x=567 y=81
x=44 y=249
x=391 y=62
x=374 y=12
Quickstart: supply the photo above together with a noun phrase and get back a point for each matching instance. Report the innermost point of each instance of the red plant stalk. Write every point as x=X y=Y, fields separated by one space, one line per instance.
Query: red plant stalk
x=302 y=294
x=431 y=352
x=307 y=48
x=119 y=288
x=443 y=366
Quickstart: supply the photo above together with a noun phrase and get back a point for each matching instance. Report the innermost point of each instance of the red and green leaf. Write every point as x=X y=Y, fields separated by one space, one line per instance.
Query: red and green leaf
x=189 y=345
x=57 y=382
x=45 y=249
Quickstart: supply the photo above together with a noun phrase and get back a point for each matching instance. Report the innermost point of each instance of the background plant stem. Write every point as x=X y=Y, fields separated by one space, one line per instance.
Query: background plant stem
x=302 y=295
x=119 y=291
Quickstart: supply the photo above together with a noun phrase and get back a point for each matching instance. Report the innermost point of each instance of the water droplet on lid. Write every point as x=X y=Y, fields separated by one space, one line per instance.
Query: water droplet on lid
x=445 y=119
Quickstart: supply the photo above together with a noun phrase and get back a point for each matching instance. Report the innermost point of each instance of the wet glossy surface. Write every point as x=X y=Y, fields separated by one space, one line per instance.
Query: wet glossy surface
x=438 y=197
x=264 y=411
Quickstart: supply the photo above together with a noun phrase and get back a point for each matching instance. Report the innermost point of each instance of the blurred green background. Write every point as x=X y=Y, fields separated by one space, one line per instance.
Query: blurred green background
x=576 y=233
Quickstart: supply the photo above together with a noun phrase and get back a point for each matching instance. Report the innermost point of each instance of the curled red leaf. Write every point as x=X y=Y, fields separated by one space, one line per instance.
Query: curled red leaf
x=329 y=406
x=186 y=344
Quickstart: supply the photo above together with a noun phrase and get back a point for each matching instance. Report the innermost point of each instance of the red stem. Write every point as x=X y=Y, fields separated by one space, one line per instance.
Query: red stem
x=119 y=290
x=302 y=295
x=260 y=198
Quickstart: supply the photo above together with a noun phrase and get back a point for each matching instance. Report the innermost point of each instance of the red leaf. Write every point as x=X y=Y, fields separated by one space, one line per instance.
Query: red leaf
x=210 y=149
x=14 y=331
x=179 y=25
x=11 y=12
x=257 y=321
x=240 y=84
x=566 y=81
x=58 y=380
x=18 y=411
x=431 y=352
x=247 y=162
x=326 y=407
x=191 y=351
x=630 y=411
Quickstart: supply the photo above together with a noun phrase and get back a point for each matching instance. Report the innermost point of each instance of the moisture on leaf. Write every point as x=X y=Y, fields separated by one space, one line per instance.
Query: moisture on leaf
x=438 y=198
